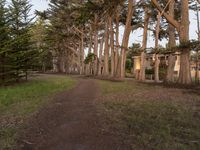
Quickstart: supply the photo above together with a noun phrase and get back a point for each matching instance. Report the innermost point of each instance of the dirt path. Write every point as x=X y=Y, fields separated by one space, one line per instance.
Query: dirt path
x=71 y=122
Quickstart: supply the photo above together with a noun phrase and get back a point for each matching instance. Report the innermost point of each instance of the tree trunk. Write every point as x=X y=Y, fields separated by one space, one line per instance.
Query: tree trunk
x=88 y=66
x=82 y=53
x=156 y=69
x=112 y=46
x=144 y=45
x=126 y=35
x=106 y=50
x=197 y=68
x=54 y=61
x=117 y=56
x=100 y=57
x=171 y=44
x=185 y=72
x=95 y=46
x=157 y=61
x=170 y=68
x=197 y=52
x=142 y=67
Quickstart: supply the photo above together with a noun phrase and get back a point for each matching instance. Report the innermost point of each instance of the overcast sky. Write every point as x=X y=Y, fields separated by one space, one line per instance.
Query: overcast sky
x=135 y=37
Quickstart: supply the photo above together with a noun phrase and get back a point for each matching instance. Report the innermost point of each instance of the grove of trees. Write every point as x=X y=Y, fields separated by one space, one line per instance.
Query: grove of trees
x=83 y=37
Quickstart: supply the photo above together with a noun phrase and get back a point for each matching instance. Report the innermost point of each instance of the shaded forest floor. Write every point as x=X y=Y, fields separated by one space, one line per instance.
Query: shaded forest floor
x=106 y=115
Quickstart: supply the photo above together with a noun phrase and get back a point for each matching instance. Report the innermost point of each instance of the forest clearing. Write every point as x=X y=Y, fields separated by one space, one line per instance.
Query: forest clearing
x=99 y=74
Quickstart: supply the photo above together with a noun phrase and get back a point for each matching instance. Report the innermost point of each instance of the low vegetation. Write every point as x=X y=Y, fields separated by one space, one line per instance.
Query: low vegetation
x=19 y=102
x=152 y=117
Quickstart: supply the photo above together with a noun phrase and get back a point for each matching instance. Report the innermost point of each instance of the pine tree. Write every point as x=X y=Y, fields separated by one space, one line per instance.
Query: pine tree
x=43 y=58
x=22 y=51
x=4 y=40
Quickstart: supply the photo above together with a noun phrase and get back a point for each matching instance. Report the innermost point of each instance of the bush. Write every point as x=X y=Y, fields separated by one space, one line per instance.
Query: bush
x=162 y=72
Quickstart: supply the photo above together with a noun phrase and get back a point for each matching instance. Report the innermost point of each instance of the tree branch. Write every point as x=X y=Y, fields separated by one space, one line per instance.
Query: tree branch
x=171 y=20
x=135 y=27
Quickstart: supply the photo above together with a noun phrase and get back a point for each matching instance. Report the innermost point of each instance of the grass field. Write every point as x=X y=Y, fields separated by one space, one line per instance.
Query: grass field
x=18 y=102
x=152 y=117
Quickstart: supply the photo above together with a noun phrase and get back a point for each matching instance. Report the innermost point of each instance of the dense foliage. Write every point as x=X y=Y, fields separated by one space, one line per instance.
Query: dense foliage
x=22 y=37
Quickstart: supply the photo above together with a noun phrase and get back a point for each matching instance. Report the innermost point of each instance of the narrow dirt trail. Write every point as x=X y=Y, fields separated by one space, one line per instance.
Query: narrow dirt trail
x=71 y=122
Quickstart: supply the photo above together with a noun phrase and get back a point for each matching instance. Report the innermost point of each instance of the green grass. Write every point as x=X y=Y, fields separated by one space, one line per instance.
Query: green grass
x=20 y=101
x=154 y=124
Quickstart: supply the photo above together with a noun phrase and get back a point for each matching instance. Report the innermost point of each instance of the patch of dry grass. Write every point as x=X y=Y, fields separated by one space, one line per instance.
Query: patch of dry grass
x=152 y=117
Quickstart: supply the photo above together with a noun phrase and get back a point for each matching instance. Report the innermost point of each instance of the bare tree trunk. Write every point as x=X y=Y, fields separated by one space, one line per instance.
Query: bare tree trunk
x=157 y=61
x=197 y=67
x=82 y=54
x=90 y=41
x=125 y=40
x=106 y=50
x=112 y=47
x=171 y=44
x=197 y=52
x=144 y=45
x=156 y=68
x=95 y=45
x=79 y=59
x=100 y=57
x=170 y=68
x=117 y=59
x=185 y=72
x=88 y=66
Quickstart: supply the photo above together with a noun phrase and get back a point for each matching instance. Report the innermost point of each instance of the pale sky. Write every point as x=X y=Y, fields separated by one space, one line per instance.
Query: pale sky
x=39 y=4
x=135 y=37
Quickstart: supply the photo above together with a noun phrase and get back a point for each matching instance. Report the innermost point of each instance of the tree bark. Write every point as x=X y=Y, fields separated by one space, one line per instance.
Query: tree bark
x=197 y=52
x=171 y=44
x=82 y=54
x=95 y=45
x=88 y=66
x=185 y=72
x=126 y=36
x=100 y=57
x=144 y=45
x=117 y=55
x=112 y=46
x=170 y=68
x=157 y=61
x=106 y=50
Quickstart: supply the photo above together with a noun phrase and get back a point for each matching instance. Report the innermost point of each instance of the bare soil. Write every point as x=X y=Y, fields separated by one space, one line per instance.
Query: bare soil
x=72 y=121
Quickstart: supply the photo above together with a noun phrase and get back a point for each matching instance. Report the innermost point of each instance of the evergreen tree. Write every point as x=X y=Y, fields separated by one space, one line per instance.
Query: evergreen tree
x=22 y=52
x=42 y=61
x=4 y=41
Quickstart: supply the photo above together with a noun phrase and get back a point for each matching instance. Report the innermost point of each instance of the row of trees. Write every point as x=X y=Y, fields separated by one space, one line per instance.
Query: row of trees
x=93 y=27
x=75 y=36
